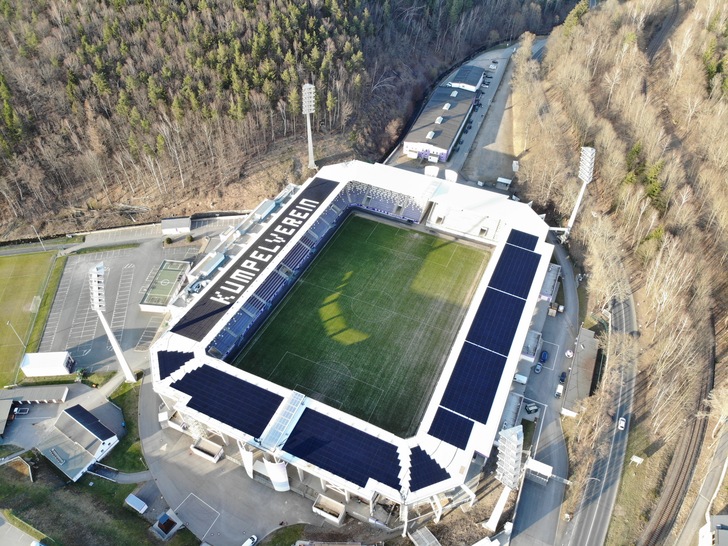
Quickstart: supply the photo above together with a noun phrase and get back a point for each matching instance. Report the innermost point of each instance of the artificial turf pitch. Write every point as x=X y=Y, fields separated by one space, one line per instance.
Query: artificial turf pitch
x=368 y=327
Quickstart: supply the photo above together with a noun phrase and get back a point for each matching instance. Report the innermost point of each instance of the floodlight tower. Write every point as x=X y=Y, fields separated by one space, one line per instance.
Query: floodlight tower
x=586 y=172
x=309 y=107
x=98 y=304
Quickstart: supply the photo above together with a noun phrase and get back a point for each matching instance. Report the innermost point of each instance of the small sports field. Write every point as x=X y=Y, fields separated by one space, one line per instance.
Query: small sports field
x=368 y=327
x=164 y=283
x=23 y=278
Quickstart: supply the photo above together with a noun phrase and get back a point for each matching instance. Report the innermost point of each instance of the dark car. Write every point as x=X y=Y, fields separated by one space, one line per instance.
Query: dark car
x=562 y=378
x=544 y=357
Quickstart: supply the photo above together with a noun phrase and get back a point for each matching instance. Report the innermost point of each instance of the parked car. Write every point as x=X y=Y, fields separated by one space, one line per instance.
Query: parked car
x=21 y=411
x=538 y=368
x=622 y=423
x=531 y=408
x=562 y=378
x=252 y=541
x=544 y=357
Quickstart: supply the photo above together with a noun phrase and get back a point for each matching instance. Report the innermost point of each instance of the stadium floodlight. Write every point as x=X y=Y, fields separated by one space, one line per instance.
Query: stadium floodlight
x=309 y=107
x=586 y=172
x=98 y=304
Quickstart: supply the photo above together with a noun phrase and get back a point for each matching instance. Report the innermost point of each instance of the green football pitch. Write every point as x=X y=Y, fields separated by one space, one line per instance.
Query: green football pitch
x=23 y=278
x=368 y=327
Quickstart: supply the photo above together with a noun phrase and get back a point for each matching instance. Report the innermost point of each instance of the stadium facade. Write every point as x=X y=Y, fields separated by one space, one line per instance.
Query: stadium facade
x=285 y=437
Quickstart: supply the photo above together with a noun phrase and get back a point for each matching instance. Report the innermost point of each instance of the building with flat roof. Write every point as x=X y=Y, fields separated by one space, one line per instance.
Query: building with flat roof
x=287 y=436
x=436 y=130
x=47 y=364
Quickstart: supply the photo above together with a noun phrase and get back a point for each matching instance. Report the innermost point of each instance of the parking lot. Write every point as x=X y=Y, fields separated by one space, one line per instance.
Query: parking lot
x=73 y=326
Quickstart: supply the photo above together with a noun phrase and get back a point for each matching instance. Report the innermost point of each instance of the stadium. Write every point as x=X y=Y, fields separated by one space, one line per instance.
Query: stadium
x=361 y=337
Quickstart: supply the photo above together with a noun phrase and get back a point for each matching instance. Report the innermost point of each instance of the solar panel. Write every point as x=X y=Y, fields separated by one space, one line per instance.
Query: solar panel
x=496 y=321
x=515 y=271
x=343 y=450
x=90 y=422
x=171 y=361
x=451 y=428
x=424 y=470
x=229 y=399
x=525 y=240
x=474 y=382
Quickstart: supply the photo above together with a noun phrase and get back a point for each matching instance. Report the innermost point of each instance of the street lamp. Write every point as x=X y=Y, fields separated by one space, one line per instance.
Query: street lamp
x=98 y=304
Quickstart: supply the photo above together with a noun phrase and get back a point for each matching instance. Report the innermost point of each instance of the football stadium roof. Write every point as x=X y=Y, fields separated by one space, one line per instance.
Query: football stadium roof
x=464 y=412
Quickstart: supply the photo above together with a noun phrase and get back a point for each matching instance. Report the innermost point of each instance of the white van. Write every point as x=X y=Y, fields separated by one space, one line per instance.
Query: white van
x=522 y=379
x=559 y=391
x=136 y=503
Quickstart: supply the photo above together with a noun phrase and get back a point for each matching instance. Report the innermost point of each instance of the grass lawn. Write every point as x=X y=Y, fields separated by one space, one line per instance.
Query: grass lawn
x=127 y=455
x=368 y=326
x=284 y=537
x=24 y=277
x=78 y=514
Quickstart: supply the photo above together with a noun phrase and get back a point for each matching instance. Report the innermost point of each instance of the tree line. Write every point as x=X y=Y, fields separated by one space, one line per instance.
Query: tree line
x=127 y=98
x=658 y=201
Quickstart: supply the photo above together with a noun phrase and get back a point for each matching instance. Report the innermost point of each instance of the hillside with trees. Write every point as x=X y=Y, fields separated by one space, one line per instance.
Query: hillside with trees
x=645 y=82
x=138 y=107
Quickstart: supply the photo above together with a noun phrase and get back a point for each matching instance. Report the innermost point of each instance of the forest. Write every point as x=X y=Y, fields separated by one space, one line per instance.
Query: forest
x=130 y=109
x=645 y=82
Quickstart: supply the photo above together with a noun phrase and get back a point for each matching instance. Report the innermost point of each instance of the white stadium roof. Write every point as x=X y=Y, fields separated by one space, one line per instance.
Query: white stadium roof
x=464 y=412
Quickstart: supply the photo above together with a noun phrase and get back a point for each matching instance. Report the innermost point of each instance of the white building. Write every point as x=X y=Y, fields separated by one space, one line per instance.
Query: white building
x=79 y=440
x=47 y=364
x=286 y=436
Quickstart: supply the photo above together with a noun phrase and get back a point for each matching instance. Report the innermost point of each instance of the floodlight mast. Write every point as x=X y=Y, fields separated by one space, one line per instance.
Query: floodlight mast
x=309 y=107
x=586 y=172
x=98 y=304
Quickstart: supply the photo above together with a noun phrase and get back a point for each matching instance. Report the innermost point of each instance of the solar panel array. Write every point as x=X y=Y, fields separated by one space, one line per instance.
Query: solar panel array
x=496 y=321
x=524 y=240
x=473 y=382
x=90 y=422
x=171 y=361
x=229 y=399
x=451 y=428
x=515 y=270
x=479 y=367
x=343 y=450
x=424 y=470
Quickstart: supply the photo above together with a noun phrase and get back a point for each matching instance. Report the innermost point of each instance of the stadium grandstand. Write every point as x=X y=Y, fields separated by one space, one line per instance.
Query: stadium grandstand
x=290 y=437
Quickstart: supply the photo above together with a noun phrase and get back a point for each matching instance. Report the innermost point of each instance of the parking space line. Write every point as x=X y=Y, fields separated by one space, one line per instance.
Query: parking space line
x=118 y=318
x=54 y=319
x=148 y=335
x=555 y=354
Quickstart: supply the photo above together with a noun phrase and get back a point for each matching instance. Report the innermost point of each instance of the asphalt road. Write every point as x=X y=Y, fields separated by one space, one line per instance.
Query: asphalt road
x=591 y=522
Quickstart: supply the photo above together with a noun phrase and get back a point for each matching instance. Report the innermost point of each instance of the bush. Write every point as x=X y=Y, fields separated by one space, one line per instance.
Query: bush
x=189 y=238
x=168 y=241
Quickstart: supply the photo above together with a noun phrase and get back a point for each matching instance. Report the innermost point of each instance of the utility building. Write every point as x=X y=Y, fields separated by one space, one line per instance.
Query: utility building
x=436 y=131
